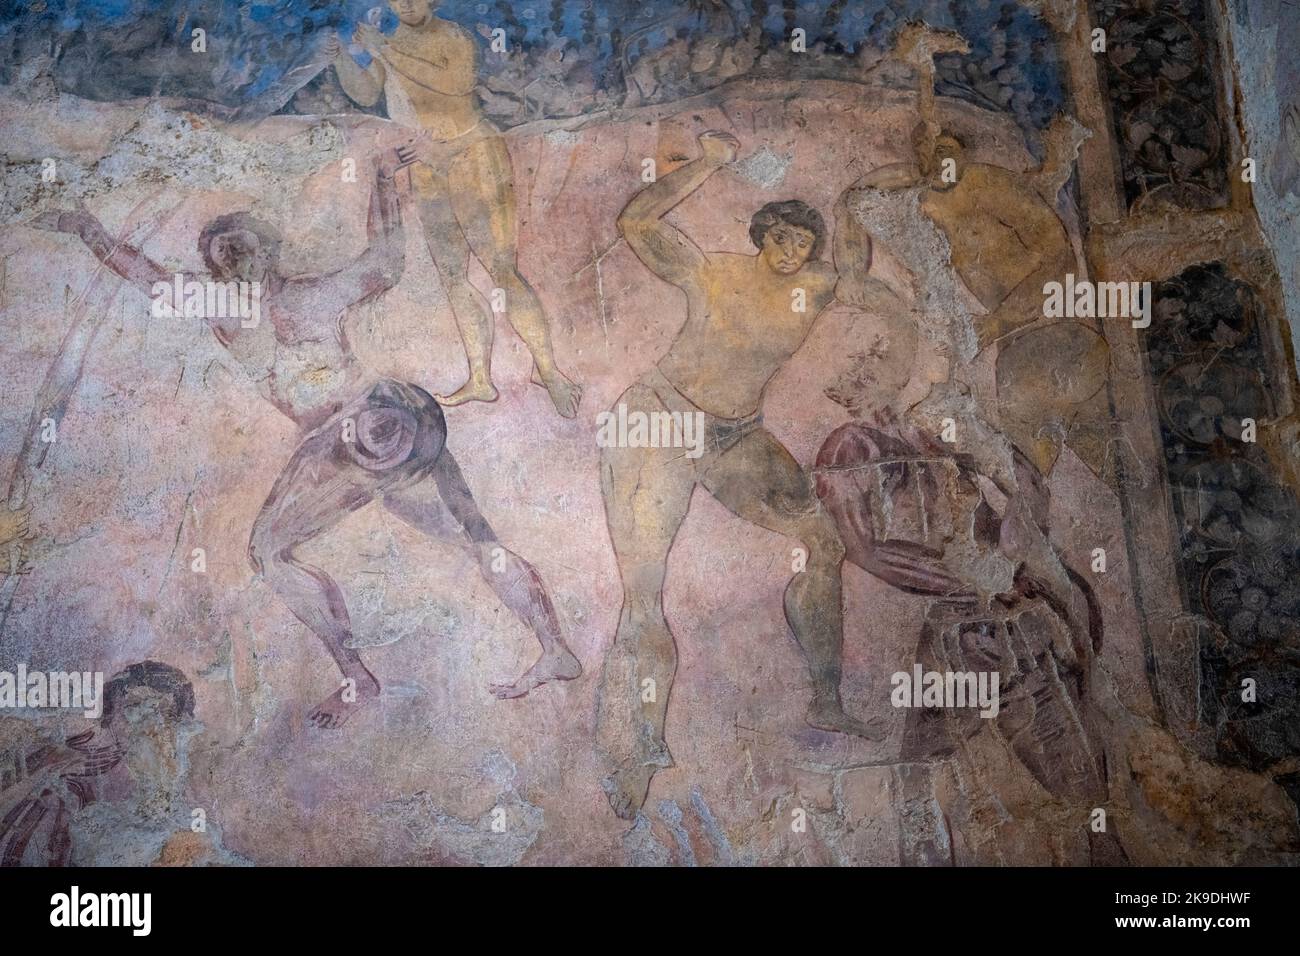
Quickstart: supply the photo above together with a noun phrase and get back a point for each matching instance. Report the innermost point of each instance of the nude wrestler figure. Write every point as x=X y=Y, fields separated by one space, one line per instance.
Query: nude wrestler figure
x=464 y=186
x=360 y=439
x=919 y=515
x=1007 y=241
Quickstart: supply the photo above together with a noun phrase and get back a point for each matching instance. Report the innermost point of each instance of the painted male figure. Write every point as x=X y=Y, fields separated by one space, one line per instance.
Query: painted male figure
x=917 y=515
x=361 y=439
x=427 y=68
x=46 y=786
x=746 y=315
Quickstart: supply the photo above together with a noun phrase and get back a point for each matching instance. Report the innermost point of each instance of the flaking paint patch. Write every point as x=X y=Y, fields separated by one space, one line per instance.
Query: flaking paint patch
x=764 y=168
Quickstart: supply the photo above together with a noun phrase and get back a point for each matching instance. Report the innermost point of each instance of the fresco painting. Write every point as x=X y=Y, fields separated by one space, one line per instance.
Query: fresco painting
x=589 y=432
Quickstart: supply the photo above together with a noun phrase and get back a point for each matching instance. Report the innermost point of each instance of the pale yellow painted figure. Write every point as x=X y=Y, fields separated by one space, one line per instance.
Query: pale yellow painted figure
x=464 y=185
x=1007 y=242
x=746 y=315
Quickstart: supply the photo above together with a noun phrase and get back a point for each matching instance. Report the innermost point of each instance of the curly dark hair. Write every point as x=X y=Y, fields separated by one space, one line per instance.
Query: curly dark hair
x=793 y=212
x=267 y=235
x=919 y=132
x=163 y=678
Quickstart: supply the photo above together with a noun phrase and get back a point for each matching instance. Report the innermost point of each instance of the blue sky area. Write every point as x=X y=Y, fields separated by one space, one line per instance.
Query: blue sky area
x=256 y=43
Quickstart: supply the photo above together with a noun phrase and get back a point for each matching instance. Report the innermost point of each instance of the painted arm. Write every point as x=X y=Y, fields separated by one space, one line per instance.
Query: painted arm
x=664 y=249
x=447 y=68
x=380 y=266
x=918 y=44
x=363 y=84
x=891 y=176
x=121 y=258
x=65 y=370
x=852 y=252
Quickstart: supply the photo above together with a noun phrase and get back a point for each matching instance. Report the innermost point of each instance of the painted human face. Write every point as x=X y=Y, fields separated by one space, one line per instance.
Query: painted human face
x=413 y=12
x=239 y=254
x=786 y=248
x=156 y=743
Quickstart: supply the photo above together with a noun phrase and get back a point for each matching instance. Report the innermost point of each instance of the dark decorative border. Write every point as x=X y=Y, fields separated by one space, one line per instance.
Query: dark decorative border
x=1160 y=70
x=1238 y=526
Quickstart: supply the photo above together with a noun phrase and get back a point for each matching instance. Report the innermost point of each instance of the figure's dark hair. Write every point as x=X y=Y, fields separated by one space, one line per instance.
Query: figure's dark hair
x=162 y=678
x=267 y=234
x=919 y=132
x=794 y=212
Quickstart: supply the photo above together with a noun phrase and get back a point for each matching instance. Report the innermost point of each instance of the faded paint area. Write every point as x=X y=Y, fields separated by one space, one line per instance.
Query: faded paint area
x=960 y=458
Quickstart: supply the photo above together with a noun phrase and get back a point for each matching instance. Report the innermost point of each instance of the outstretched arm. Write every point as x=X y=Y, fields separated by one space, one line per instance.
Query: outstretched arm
x=64 y=372
x=379 y=267
x=665 y=250
x=120 y=257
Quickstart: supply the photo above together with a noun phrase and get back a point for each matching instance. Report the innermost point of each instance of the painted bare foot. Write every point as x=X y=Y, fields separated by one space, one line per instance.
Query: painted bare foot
x=334 y=711
x=566 y=396
x=830 y=715
x=626 y=789
x=556 y=664
x=477 y=389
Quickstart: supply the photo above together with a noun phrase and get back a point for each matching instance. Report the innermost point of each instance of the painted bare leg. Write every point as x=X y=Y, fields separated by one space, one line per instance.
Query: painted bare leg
x=638 y=676
x=760 y=481
x=524 y=310
x=311 y=495
x=479 y=386
x=647 y=493
x=813 y=610
x=520 y=588
x=451 y=254
x=426 y=506
x=566 y=395
x=482 y=198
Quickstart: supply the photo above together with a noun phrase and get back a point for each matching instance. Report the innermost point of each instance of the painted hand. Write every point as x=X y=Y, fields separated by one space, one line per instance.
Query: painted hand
x=399 y=157
x=427 y=150
x=987 y=331
x=719 y=147
x=368 y=37
x=75 y=221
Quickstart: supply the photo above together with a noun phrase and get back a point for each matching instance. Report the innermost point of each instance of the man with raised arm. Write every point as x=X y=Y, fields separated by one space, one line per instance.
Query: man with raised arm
x=361 y=439
x=746 y=315
x=427 y=69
